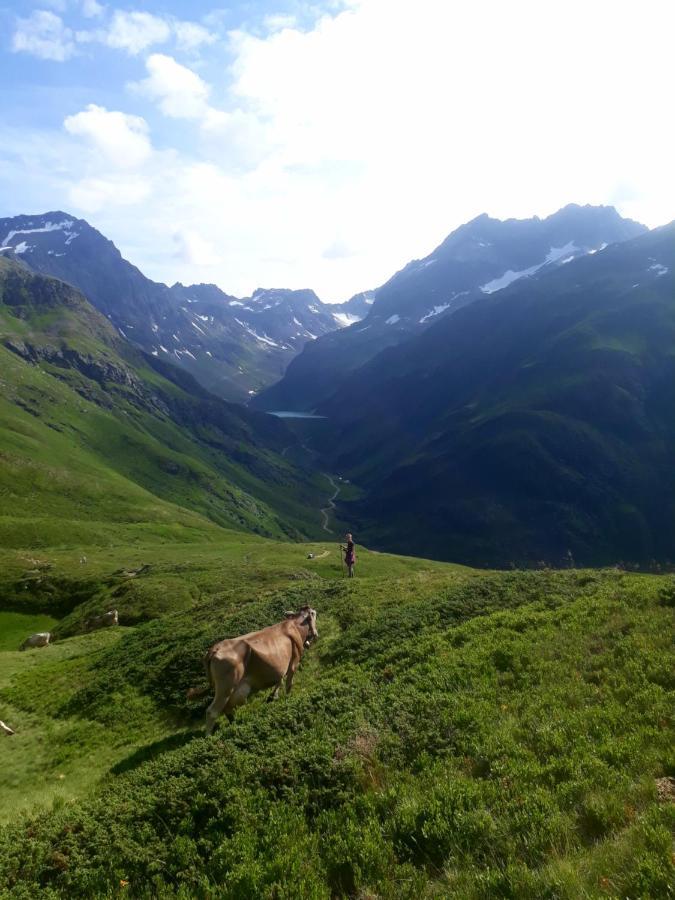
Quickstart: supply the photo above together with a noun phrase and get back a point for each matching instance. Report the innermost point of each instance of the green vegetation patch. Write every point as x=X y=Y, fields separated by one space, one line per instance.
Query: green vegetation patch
x=449 y=735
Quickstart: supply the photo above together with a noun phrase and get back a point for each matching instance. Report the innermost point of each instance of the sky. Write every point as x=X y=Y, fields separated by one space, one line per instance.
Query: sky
x=284 y=143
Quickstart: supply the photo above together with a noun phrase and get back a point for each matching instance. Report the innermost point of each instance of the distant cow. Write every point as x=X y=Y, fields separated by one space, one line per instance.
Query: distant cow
x=237 y=667
x=104 y=621
x=41 y=639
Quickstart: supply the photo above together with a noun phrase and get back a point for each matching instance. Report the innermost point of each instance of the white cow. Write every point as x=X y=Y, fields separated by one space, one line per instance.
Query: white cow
x=104 y=621
x=41 y=639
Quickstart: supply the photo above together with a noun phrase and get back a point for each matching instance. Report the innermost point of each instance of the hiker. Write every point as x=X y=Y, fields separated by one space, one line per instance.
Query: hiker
x=350 y=555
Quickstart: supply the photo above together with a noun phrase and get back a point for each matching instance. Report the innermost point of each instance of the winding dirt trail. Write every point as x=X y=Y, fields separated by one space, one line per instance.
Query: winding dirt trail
x=327 y=510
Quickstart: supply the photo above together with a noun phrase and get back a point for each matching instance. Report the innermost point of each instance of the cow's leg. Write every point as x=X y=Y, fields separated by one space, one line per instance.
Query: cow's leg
x=237 y=698
x=239 y=695
x=226 y=681
x=293 y=665
x=216 y=709
x=274 y=693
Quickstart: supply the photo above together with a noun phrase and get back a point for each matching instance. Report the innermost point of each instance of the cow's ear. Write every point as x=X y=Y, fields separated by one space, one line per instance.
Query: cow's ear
x=289 y=615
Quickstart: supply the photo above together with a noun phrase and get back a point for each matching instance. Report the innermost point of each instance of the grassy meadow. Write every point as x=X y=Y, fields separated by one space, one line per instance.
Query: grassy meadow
x=453 y=732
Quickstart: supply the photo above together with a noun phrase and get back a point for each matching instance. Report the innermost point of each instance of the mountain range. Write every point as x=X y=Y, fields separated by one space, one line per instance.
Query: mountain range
x=233 y=346
x=478 y=258
x=506 y=400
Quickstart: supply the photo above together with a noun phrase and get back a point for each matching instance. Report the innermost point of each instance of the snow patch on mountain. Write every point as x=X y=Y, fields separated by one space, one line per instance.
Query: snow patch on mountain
x=554 y=254
x=63 y=225
x=511 y=275
x=259 y=337
x=392 y=320
x=436 y=311
x=345 y=319
x=658 y=268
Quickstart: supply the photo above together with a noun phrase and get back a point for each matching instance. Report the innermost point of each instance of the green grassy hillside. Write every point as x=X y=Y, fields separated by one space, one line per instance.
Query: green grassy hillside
x=452 y=733
x=100 y=444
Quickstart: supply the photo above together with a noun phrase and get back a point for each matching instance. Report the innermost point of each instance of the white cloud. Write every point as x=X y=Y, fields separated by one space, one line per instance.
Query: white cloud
x=279 y=21
x=179 y=92
x=195 y=250
x=338 y=249
x=237 y=138
x=422 y=119
x=190 y=35
x=136 y=31
x=122 y=139
x=44 y=35
x=91 y=9
x=336 y=153
x=91 y=194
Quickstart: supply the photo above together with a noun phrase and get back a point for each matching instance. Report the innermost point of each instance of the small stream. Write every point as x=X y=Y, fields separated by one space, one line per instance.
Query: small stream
x=327 y=510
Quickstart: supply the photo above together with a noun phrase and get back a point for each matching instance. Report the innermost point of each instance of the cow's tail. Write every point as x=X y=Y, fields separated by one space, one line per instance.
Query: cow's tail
x=195 y=692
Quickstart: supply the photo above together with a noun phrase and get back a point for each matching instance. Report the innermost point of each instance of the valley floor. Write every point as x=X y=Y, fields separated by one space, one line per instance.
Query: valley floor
x=453 y=732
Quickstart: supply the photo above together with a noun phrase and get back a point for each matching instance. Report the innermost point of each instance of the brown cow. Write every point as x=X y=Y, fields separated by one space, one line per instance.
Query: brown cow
x=41 y=639
x=104 y=621
x=240 y=666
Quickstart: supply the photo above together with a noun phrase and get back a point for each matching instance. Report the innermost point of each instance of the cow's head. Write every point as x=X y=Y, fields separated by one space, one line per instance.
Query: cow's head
x=306 y=616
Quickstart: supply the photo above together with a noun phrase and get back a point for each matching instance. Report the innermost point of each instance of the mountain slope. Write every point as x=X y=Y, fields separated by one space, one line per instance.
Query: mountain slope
x=535 y=420
x=97 y=439
x=232 y=346
x=451 y=734
x=483 y=256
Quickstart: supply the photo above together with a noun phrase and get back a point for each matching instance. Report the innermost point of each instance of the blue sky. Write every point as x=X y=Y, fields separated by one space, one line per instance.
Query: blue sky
x=300 y=144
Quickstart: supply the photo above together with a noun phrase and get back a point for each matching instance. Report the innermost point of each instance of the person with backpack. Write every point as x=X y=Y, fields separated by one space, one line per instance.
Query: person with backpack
x=350 y=554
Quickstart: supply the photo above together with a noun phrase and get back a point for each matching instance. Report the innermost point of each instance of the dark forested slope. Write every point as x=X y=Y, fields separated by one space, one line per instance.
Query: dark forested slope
x=536 y=420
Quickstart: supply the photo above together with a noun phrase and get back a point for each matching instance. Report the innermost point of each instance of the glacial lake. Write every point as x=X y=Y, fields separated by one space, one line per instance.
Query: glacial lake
x=289 y=414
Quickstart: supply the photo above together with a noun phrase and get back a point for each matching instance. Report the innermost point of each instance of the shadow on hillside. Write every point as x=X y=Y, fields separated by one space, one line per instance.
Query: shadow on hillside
x=151 y=751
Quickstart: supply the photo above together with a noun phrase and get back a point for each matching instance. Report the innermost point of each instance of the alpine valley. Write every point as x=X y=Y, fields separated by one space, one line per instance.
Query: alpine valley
x=511 y=393
x=471 y=722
